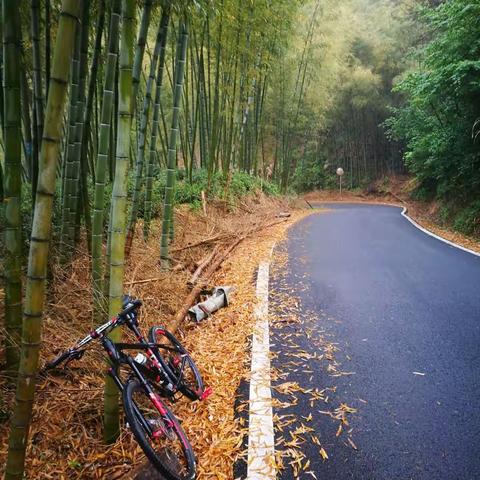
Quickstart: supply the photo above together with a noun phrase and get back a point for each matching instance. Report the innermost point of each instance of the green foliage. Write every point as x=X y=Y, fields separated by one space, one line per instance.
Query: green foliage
x=442 y=105
x=468 y=220
x=311 y=175
x=186 y=192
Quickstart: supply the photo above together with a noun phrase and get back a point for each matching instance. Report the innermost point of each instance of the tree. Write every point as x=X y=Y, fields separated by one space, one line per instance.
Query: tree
x=39 y=242
x=13 y=182
x=101 y=164
x=441 y=108
x=180 y=60
x=119 y=201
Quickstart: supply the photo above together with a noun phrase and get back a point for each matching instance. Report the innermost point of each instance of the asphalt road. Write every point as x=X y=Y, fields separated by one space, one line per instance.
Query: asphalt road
x=394 y=301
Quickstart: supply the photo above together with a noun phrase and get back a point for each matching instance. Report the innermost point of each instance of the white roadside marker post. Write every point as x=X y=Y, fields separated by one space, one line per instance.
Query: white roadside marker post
x=340 y=173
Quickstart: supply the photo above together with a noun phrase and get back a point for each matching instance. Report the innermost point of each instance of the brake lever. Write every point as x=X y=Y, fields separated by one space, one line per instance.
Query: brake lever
x=75 y=356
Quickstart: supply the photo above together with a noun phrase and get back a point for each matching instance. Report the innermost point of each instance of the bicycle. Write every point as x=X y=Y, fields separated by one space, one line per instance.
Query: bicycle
x=149 y=418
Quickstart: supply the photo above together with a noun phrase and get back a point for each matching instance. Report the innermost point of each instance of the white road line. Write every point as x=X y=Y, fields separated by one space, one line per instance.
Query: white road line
x=261 y=449
x=428 y=232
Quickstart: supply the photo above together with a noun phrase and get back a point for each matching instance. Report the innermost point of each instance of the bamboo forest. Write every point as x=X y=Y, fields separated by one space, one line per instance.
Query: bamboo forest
x=153 y=153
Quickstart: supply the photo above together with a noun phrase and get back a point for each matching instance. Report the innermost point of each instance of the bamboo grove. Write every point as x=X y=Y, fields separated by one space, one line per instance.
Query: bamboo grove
x=103 y=104
x=115 y=111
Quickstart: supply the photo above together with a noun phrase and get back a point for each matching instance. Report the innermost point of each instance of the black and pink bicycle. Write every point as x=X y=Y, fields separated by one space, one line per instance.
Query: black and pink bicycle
x=162 y=369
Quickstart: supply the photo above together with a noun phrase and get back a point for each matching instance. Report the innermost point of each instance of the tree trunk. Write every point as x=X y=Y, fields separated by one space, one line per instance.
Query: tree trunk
x=119 y=202
x=172 y=147
x=41 y=228
x=13 y=183
x=164 y=21
x=101 y=165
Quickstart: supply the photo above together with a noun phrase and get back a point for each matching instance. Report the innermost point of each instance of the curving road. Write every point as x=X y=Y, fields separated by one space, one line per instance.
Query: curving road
x=396 y=301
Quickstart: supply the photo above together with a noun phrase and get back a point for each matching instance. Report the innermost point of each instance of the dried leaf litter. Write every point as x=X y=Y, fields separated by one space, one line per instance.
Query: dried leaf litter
x=66 y=432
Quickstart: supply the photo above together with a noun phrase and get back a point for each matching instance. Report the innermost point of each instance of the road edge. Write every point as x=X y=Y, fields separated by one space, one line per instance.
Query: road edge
x=431 y=234
x=261 y=439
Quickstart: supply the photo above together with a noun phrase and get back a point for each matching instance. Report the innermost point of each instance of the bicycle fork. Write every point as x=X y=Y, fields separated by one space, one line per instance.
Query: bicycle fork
x=113 y=372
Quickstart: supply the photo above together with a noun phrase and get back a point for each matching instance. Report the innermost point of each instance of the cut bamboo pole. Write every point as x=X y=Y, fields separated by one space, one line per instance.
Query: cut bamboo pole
x=202 y=266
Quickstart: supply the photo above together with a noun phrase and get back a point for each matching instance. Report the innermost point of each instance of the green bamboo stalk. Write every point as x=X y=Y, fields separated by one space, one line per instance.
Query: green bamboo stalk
x=195 y=106
x=102 y=163
x=164 y=21
x=147 y=100
x=93 y=82
x=180 y=59
x=2 y=106
x=74 y=203
x=39 y=243
x=87 y=156
x=230 y=148
x=47 y=45
x=216 y=120
x=140 y=49
x=13 y=182
x=119 y=202
x=69 y=187
x=38 y=96
x=26 y=121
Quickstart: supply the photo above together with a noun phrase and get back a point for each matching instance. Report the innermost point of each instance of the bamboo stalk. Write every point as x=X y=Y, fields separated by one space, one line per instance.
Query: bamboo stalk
x=119 y=203
x=39 y=244
x=204 y=263
x=101 y=164
x=164 y=21
x=13 y=183
x=37 y=84
x=140 y=49
x=69 y=186
x=141 y=142
x=172 y=148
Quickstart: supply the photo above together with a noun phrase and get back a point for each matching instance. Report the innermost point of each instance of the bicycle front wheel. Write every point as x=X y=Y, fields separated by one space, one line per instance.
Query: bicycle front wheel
x=177 y=362
x=158 y=433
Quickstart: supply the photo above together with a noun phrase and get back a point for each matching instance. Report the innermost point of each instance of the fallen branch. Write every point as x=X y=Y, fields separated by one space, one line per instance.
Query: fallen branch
x=203 y=264
x=197 y=289
x=147 y=280
x=221 y=236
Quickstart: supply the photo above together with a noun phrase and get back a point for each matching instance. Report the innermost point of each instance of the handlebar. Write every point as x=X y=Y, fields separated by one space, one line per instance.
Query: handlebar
x=132 y=305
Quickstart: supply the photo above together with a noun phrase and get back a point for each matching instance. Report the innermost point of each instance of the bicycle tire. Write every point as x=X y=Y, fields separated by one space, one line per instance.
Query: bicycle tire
x=162 y=460
x=192 y=391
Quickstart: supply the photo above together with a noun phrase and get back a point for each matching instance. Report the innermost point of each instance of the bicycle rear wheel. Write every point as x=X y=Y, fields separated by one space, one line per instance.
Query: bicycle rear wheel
x=177 y=362
x=158 y=433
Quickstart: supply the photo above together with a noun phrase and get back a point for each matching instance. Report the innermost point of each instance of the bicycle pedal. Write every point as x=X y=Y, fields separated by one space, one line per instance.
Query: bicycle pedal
x=206 y=393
